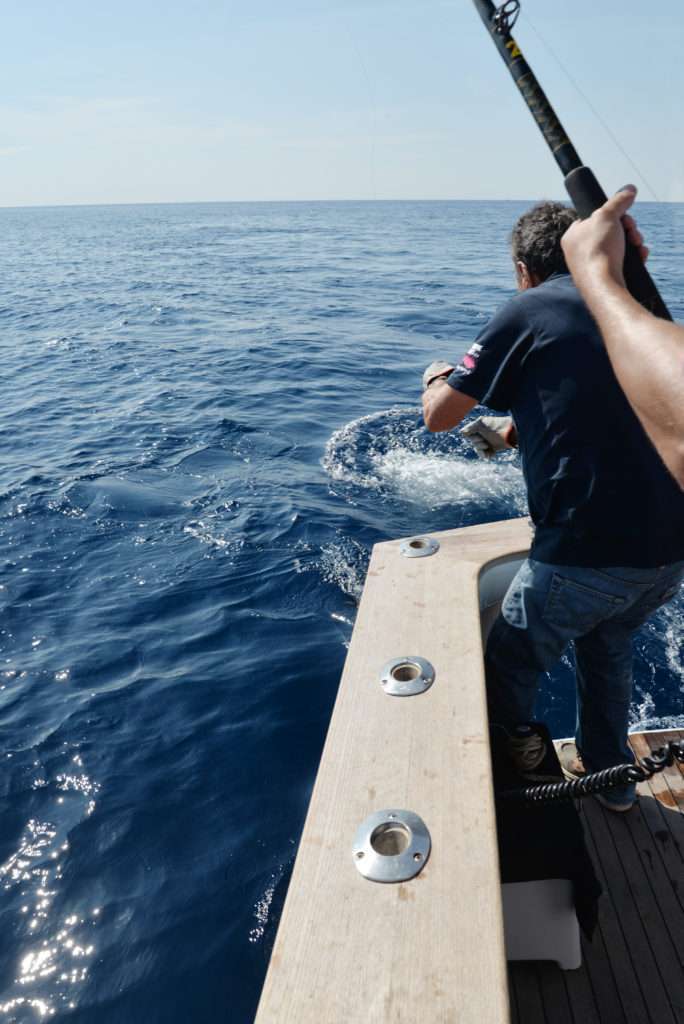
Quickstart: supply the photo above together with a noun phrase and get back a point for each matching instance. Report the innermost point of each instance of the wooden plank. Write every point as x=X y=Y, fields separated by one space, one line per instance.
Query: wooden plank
x=608 y=960
x=653 y=866
x=659 y=936
x=663 y=842
x=430 y=949
x=554 y=993
x=528 y=993
x=597 y=970
x=666 y=825
x=578 y=985
x=678 y=736
x=635 y=914
x=659 y=782
x=657 y=738
x=565 y=997
x=646 y=863
x=512 y=998
x=673 y=773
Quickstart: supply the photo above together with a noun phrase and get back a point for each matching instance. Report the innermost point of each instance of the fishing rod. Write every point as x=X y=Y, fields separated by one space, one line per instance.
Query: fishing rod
x=581 y=183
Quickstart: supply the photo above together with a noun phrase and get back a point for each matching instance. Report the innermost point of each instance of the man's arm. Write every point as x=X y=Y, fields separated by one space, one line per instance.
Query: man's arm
x=443 y=406
x=487 y=374
x=647 y=353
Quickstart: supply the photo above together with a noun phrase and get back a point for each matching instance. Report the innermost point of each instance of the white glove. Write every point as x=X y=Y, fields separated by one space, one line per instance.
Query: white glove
x=491 y=434
x=436 y=369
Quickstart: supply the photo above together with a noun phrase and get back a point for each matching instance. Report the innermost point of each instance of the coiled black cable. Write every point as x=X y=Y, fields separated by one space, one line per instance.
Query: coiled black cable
x=597 y=782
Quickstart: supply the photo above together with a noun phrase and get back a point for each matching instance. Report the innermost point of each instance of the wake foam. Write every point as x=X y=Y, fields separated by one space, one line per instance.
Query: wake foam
x=672 y=621
x=659 y=648
x=262 y=907
x=437 y=480
x=392 y=452
x=643 y=717
x=344 y=564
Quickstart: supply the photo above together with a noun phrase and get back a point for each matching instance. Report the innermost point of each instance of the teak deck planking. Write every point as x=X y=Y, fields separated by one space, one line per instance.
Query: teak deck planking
x=632 y=971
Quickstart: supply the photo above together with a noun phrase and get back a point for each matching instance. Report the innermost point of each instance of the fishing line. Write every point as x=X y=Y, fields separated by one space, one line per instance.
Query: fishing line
x=616 y=142
x=584 y=189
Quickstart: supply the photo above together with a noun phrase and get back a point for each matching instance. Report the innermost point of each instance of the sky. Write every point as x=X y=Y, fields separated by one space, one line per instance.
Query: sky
x=125 y=102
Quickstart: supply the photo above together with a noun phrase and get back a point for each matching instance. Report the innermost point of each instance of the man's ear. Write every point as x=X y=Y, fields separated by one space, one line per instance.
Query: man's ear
x=525 y=279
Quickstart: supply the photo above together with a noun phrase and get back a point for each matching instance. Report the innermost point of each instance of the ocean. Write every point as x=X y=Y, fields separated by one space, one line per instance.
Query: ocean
x=210 y=413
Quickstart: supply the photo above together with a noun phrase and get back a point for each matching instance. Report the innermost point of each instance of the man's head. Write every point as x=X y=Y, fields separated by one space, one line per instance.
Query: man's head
x=535 y=243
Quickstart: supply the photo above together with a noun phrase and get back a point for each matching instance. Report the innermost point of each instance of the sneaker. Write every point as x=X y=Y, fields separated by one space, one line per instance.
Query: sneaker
x=571 y=761
x=527 y=750
x=614 y=805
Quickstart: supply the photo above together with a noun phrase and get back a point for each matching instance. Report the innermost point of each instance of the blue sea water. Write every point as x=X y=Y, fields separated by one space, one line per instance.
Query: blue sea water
x=210 y=413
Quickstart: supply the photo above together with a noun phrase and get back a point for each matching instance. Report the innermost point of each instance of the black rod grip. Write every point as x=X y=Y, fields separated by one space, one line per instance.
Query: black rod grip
x=587 y=195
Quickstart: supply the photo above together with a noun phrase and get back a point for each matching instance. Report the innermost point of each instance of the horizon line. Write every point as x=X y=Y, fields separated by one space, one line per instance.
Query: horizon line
x=236 y=202
x=243 y=202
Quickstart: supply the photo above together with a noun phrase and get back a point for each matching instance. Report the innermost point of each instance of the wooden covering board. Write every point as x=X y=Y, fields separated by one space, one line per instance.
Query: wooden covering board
x=352 y=950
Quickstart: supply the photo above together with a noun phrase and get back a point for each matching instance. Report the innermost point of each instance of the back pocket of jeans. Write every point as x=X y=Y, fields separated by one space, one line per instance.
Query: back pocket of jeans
x=578 y=608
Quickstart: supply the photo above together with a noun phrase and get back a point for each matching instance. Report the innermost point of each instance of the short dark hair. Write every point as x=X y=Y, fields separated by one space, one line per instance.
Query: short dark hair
x=535 y=239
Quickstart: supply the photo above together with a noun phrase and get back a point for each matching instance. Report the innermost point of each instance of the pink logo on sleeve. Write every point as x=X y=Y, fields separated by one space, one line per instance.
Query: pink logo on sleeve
x=469 y=361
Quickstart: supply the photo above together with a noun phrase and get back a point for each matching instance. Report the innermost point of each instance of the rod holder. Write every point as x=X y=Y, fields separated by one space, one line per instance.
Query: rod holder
x=391 y=846
x=407 y=676
x=419 y=547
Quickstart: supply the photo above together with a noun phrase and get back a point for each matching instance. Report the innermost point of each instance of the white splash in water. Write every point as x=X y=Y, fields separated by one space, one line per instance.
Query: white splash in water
x=437 y=480
x=344 y=564
x=262 y=907
x=391 y=451
x=672 y=618
x=642 y=717
x=208 y=534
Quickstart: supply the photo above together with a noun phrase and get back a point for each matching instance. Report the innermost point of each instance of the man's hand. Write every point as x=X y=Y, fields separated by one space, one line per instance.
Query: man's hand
x=490 y=435
x=595 y=248
x=439 y=368
x=443 y=406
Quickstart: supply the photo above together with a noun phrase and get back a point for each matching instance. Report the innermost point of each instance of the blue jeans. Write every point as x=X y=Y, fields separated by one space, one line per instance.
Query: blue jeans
x=546 y=607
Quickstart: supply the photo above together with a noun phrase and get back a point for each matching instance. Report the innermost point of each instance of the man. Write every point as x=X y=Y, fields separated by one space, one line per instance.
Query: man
x=608 y=548
x=647 y=354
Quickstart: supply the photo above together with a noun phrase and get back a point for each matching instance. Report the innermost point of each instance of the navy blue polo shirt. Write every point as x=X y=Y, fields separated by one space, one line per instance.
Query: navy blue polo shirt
x=598 y=492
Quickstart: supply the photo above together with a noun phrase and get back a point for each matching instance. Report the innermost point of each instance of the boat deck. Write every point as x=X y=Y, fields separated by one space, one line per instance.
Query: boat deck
x=633 y=970
x=431 y=948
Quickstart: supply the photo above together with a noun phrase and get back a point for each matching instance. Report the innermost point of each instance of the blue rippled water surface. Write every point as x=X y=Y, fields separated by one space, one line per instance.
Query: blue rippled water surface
x=209 y=416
